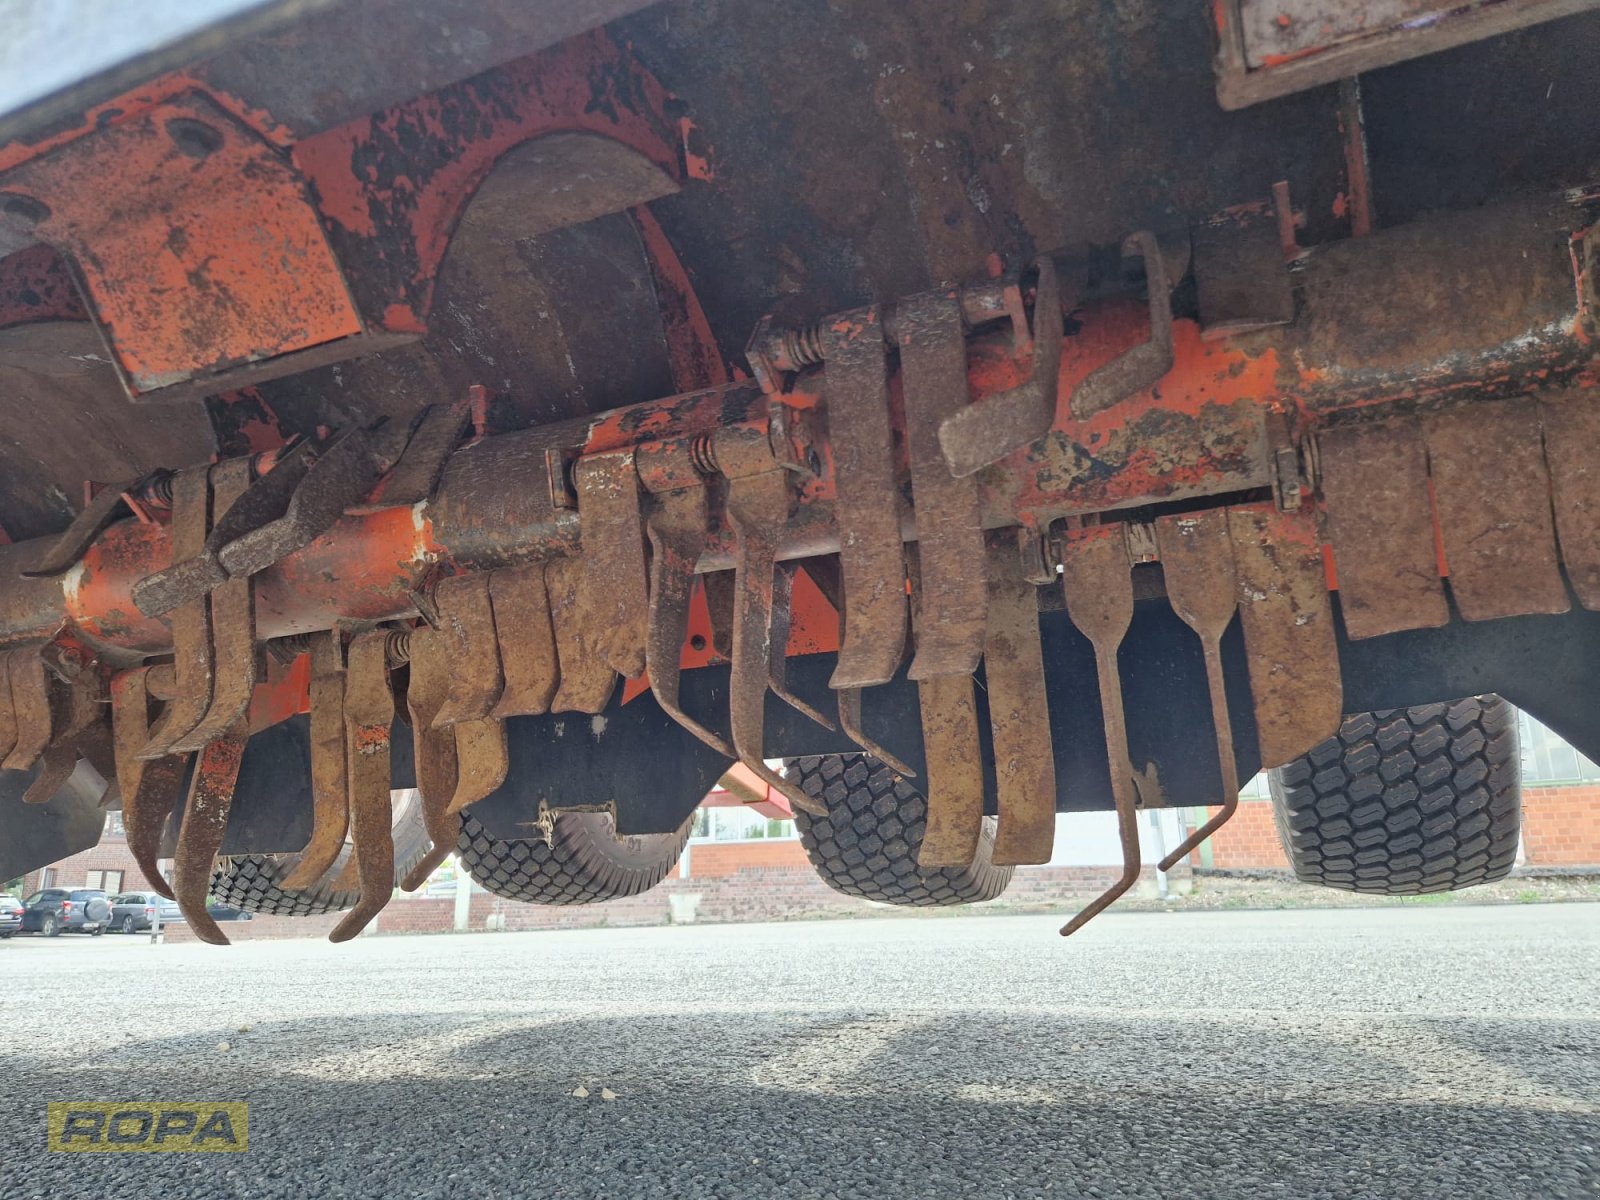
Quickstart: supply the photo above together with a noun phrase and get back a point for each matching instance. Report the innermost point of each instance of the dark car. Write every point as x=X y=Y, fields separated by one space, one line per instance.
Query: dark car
x=10 y=915
x=133 y=911
x=226 y=912
x=66 y=910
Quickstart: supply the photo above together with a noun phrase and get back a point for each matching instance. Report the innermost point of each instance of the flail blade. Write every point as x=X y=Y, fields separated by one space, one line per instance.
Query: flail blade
x=782 y=622
x=8 y=713
x=615 y=581
x=330 y=777
x=232 y=622
x=758 y=506
x=1202 y=585
x=476 y=680
x=205 y=820
x=435 y=748
x=1019 y=721
x=482 y=761
x=677 y=529
x=527 y=641
x=150 y=787
x=871 y=556
x=192 y=659
x=950 y=743
x=587 y=679
x=1097 y=582
x=368 y=714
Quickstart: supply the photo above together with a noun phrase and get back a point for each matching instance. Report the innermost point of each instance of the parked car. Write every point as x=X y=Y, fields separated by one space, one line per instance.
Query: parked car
x=133 y=911
x=226 y=912
x=10 y=915
x=69 y=910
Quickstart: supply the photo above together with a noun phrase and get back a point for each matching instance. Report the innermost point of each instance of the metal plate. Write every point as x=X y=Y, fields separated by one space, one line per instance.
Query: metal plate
x=1019 y=719
x=587 y=680
x=867 y=508
x=953 y=596
x=1380 y=519
x=1493 y=495
x=615 y=583
x=1288 y=630
x=527 y=641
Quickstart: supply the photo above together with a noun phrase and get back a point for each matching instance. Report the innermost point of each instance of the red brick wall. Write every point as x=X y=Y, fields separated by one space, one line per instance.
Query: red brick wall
x=710 y=859
x=1561 y=825
x=1249 y=840
x=1560 y=828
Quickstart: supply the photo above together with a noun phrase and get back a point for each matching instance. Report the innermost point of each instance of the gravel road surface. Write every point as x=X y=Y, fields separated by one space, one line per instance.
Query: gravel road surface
x=1437 y=1052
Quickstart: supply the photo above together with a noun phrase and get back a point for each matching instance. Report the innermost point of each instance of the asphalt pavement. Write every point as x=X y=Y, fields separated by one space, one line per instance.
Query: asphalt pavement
x=1430 y=1052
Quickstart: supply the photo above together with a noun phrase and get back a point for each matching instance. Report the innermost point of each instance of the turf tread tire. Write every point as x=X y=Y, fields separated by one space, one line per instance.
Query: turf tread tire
x=583 y=862
x=1404 y=802
x=867 y=844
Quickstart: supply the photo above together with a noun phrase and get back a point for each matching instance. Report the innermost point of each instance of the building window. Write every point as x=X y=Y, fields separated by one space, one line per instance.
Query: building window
x=47 y=878
x=114 y=825
x=1548 y=758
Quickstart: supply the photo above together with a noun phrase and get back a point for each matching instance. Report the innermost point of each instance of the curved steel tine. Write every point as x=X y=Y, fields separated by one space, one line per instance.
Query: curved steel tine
x=368 y=714
x=1097 y=583
x=615 y=579
x=192 y=662
x=850 y=723
x=205 y=820
x=526 y=639
x=435 y=749
x=150 y=787
x=1197 y=562
x=1019 y=717
x=1142 y=366
x=330 y=778
x=482 y=761
x=984 y=433
x=677 y=529
x=30 y=698
x=782 y=620
x=758 y=506
x=476 y=679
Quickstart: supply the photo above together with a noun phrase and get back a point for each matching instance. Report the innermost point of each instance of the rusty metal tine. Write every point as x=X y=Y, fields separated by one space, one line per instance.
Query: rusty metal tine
x=1019 y=721
x=482 y=761
x=718 y=587
x=1571 y=421
x=950 y=545
x=1144 y=365
x=614 y=588
x=985 y=433
x=205 y=820
x=587 y=679
x=526 y=639
x=826 y=572
x=782 y=620
x=850 y=723
x=55 y=765
x=871 y=554
x=1197 y=560
x=950 y=742
x=677 y=529
x=1287 y=620
x=8 y=713
x=330 y=779
x=466 y=614
x=191 y=621
x=150 y=787
x=30 y=697
x=368 y=716
x=1097 y=583
x=435 y=748
x=233 y=626
x=758 y=506
x=64 y=553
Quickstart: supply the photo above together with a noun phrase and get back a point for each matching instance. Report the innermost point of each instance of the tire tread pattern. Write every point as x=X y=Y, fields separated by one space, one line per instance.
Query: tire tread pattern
x=867 y=844
x=1405 y=802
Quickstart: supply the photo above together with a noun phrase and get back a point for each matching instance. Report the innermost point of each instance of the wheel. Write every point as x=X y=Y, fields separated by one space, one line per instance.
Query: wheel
x=1406 y=801
x=97 y=931
x=50 y=926
x=584 y=861
x=252 y=881
x=127 y=924
x=867 y=845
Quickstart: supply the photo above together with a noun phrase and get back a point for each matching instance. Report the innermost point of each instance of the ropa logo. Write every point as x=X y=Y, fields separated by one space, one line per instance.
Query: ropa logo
x=148 y=1126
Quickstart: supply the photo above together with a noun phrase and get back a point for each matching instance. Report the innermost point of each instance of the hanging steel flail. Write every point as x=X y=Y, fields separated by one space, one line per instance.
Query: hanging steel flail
x=368 y=715
x=205 y=820
x=677 y=527
x=330 y=777
x=151 y=788
x=1097 y=584
x=758 y=510
x=1197 y=563
x=1019 y=719
x=476 y=681
x=434 y=748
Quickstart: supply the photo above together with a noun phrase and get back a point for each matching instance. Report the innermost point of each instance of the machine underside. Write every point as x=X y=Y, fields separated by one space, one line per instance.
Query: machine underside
x=1073 y=406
